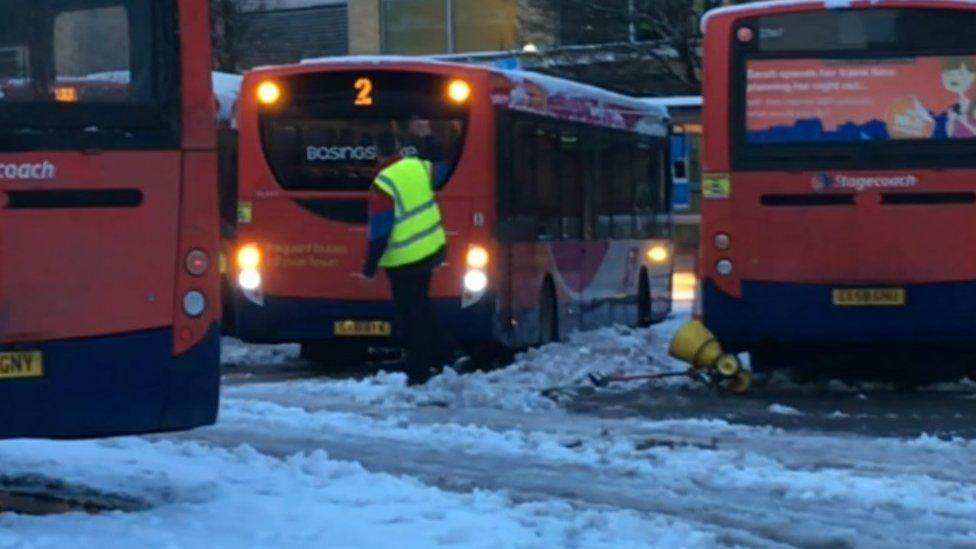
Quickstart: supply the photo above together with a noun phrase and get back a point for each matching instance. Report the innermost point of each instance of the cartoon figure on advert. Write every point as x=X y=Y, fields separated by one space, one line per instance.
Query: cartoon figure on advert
x=959 y=77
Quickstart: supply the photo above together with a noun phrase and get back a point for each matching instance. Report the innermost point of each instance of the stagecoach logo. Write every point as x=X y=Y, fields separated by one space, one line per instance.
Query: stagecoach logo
x=824 y=182
x=28 y=171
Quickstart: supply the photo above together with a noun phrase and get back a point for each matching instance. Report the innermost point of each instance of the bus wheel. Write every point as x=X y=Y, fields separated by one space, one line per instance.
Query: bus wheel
x=645 y=310
x=548 y=315
x=336 y=355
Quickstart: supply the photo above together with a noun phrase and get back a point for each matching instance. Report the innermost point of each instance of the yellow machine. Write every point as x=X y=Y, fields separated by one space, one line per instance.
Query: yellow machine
x=697 y=346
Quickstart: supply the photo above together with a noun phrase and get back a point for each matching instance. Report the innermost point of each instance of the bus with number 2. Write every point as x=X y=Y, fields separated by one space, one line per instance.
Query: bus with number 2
x=840 y=186
x=556 y=205
x=109 y=293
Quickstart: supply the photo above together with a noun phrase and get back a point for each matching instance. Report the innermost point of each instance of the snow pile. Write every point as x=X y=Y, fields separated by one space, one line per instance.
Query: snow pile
x=234 y=352
x=525 y=385
x=206 y=497
x=783 y=410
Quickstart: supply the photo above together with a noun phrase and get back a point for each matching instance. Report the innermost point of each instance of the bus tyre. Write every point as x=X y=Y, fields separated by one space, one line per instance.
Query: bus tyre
x=645 y=311
x=335 y=355
x=548 y=315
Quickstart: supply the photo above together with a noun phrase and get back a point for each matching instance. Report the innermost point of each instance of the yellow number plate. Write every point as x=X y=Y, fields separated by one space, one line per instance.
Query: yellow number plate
x=870 y=297
x=353 y=328
x=21 y=364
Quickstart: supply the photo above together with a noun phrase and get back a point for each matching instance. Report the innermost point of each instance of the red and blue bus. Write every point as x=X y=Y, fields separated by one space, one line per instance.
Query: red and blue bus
x=109 y=293
x=557 y=206
x=840 y=186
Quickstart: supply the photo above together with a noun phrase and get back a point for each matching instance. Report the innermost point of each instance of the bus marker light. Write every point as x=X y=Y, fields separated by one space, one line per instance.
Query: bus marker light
x=745 y=35
x=459 y=91
x=269 y=93
x=197 y=262
x=66 y=94
x=475 y=281
x=249 y=257
x=723 y=241
x=724 y=267
x=194 y=303
x=249 y=280
x=658 y=254
x=477 y=257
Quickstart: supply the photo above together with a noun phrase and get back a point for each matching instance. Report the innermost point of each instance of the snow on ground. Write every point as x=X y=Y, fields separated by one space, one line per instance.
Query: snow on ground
x=234 y=352
x=200 y=496
x=520 y=386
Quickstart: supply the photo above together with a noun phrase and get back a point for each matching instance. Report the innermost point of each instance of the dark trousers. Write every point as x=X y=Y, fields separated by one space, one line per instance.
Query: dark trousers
x=428 y=345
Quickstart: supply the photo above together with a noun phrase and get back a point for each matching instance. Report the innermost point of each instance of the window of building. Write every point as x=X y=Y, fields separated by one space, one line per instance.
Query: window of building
x=415 y=27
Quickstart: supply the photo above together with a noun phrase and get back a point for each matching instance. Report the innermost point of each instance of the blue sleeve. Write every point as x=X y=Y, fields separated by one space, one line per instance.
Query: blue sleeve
x=441 y=172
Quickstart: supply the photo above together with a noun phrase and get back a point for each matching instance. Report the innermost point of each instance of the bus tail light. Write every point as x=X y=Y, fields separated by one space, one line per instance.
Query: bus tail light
x=197 y=262
x=722 y=241
x=724 y=267
x=194 y=304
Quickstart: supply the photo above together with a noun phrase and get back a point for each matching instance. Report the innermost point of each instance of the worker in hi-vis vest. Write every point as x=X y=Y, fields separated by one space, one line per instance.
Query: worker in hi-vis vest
x=407 y=238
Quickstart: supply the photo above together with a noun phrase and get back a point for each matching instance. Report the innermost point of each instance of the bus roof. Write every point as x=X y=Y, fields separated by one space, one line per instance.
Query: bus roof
x=798 y=5
x=675 y=101
x=527 y=91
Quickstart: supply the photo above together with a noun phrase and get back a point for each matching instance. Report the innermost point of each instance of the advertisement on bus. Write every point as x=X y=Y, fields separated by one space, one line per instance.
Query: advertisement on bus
x=817 y=100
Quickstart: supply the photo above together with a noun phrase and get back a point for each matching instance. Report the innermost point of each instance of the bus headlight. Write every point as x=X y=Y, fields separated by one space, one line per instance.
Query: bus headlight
x=459 y=91
x=724 y=267
x=249 y=280
x=268 y=93
x=194 y=303
x=477 y=257
x=475 y=281
x=658 y=254
x=249 y=257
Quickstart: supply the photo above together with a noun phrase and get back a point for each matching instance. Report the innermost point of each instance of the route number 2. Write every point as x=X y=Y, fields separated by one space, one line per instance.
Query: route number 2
x=364 y=92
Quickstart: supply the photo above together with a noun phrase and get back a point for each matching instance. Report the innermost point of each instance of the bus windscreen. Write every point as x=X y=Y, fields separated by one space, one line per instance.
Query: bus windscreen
x=852 y=100
x=324 y=135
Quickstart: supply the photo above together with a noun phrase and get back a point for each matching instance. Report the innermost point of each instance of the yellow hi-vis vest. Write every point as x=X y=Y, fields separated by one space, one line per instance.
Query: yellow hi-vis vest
x=417 y=229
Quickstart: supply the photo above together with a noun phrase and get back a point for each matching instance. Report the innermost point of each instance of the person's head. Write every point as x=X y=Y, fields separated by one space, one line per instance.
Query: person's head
x=386 y=146
x=958 y=74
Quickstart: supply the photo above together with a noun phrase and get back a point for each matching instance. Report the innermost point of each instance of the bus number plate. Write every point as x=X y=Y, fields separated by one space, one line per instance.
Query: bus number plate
x=870 y=297
x=21 y=364
x=354 y=328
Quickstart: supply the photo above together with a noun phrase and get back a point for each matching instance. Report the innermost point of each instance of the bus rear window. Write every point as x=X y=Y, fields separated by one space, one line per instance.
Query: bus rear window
x=321 y=139
x=856 y=87
x=824 y=100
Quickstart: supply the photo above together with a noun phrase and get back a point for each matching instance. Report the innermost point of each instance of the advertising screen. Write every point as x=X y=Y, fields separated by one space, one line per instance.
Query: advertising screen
x=820 y=100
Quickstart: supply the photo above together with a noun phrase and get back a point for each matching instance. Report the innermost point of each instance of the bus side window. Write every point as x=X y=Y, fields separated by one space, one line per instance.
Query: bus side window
x=523 y=178
x=623 y=188
x=644 y=189
x=547 y=185
x=570 y=170
x=603 y=188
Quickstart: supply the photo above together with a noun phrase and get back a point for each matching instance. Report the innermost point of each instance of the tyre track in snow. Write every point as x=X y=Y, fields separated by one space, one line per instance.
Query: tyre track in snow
x=749 y=486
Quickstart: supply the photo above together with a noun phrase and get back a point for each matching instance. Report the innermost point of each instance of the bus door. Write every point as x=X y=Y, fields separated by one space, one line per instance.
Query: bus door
x=598 y=231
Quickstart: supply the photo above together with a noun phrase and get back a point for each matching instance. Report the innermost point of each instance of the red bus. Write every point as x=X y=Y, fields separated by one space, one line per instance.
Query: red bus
x=109 y=293
x=840 y=159
x=557 y=206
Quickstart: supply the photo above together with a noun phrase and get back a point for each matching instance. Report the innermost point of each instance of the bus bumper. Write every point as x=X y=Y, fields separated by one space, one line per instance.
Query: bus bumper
x=283 y=319
x=116 y=385
x=801 y=314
